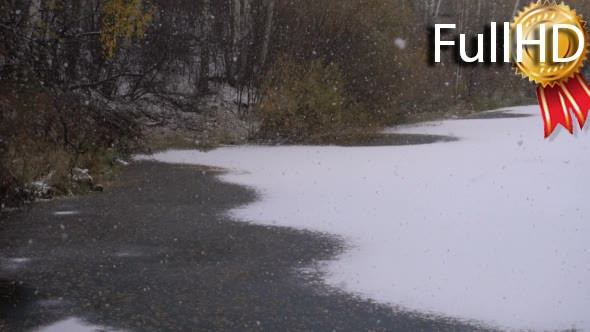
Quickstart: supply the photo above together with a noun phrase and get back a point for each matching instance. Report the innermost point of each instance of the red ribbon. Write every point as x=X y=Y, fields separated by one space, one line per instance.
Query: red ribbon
x=557 y=101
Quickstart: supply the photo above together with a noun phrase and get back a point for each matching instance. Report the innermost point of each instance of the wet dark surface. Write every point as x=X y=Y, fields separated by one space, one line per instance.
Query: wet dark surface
x=155 y=253
x=497 y=115
x=399 y=140
x=368 y=140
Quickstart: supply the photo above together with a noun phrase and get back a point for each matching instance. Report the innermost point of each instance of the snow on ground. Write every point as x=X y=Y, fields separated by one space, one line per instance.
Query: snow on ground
x=13 y=264
x=74 y=325
x=490 y=228
x=65 y=213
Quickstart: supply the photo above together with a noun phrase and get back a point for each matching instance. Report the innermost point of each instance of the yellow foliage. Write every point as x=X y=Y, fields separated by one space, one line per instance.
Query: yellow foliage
x=122 y=19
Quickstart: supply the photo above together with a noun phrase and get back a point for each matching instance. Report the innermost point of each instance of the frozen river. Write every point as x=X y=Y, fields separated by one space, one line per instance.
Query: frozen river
x=492 y=227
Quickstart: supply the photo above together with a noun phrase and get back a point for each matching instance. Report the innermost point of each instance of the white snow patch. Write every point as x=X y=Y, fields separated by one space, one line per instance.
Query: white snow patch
x=74 y=325
x=14 y=263
x=401 y=43
x=66 y=213
x=127 y=253
x=492 y=227
x=81 y=175
x=122 y=162
x=20 y=260
x=41 y=188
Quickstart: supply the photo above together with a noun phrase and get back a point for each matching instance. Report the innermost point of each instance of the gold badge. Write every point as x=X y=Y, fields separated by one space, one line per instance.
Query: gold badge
x=538 y=21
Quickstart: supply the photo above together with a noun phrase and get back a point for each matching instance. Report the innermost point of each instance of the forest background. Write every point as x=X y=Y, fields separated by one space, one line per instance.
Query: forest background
x=85 y=83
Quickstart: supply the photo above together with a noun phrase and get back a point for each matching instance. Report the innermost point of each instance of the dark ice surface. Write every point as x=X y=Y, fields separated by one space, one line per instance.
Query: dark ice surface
x=497 y=115
x=156 y=252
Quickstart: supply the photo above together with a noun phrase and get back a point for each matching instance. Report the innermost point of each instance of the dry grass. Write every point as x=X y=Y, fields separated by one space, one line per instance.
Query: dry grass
x=161 y=139
x=43 y=140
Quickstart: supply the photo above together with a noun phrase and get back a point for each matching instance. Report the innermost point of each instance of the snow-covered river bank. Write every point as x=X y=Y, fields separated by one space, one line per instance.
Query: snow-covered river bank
x=492 y=227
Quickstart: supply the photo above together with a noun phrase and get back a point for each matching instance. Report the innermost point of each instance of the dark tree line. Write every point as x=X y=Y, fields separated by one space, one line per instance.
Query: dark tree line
x=72 y=72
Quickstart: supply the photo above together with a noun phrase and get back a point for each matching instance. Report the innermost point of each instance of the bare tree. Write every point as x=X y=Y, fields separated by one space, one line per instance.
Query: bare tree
x=205 y=44
x=270 y=8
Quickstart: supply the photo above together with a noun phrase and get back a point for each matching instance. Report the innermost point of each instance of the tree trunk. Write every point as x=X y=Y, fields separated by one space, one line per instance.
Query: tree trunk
x=237 y=22
x=206 y=31
x=267 y=31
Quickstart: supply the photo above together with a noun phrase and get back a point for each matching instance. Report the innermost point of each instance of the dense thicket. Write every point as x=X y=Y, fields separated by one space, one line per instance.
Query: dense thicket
x=73 y=71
